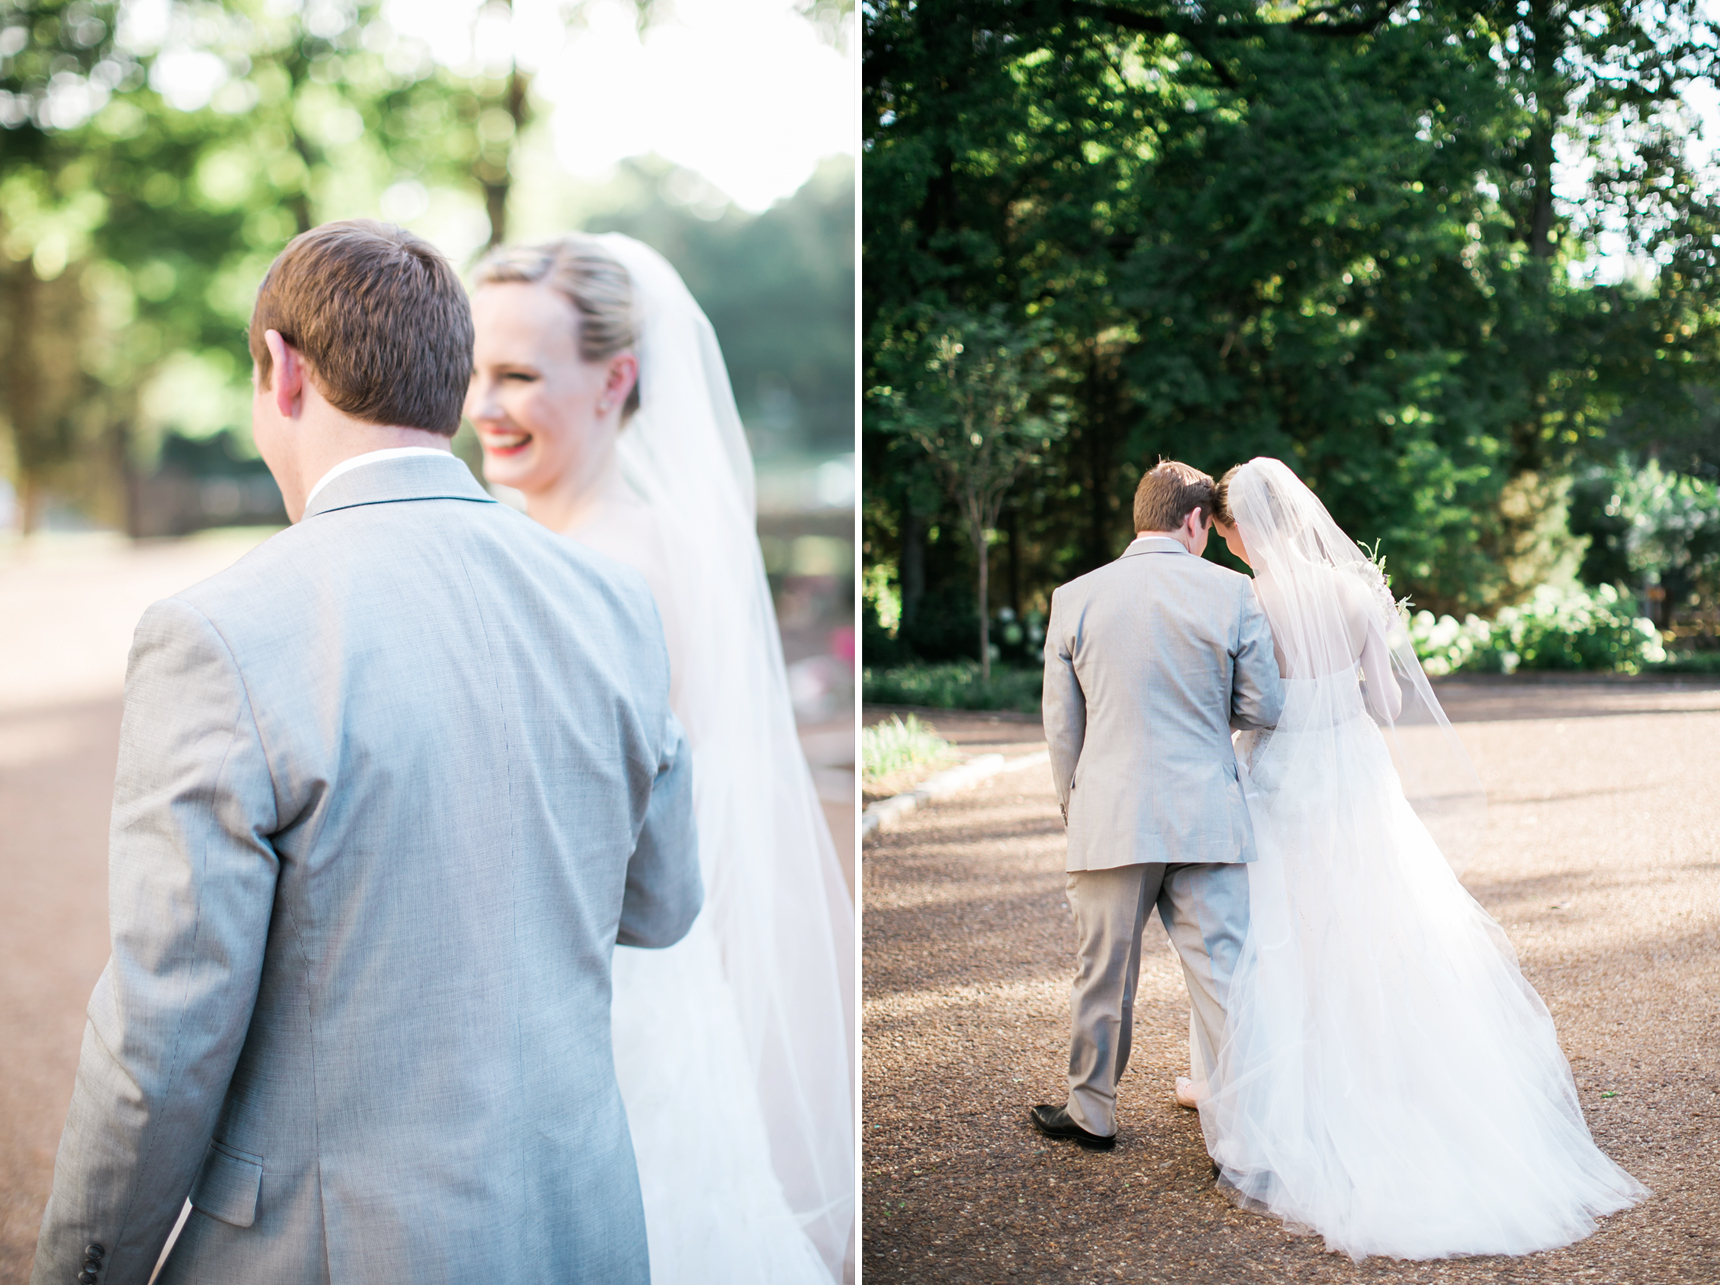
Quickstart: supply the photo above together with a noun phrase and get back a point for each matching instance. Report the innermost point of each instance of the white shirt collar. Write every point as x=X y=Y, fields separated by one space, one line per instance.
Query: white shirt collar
x=1159 y=543
x=370 y=457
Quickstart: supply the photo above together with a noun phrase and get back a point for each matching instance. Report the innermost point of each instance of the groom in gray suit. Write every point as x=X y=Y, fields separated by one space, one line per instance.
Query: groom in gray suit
x=1150 y=662
x=390 y=790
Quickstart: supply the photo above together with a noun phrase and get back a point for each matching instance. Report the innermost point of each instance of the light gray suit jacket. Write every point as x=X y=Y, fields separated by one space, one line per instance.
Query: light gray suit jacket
x=390 y=789
x=1149 y=662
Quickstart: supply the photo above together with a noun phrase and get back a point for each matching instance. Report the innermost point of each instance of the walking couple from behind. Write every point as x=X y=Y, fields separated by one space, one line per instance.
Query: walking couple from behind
x=1367 y=1059
x=473 y=916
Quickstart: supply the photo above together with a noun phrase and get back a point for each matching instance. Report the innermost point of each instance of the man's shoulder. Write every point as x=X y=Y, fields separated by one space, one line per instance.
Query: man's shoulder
x=329 y=556
x=275 y=562
x=1148 y=566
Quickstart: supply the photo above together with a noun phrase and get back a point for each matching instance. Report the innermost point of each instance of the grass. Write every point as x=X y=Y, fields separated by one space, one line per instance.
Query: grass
x=897 y=744
x=956 y=685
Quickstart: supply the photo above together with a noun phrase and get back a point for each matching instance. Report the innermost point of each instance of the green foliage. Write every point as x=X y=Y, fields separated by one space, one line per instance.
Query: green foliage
x=1688 y=662
x=137 y=218
x=969 y=390
x=1568 y=628
x=897 y=743
x=778 y=288
x=1651 y=531
x=1328 y=236
x=955 y=685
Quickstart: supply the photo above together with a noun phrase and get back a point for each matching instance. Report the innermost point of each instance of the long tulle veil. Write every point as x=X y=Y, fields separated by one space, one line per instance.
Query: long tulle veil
x=775 y=895
x=1314 y=582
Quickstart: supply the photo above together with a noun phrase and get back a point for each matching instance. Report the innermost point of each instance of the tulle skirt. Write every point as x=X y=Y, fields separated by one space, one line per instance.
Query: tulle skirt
x=714 y=1208
x=1389 y=1079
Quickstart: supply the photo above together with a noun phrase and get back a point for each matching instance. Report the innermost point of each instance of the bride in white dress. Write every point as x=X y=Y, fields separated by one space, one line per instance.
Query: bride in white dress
x=1389 y=1079
x=600 y=394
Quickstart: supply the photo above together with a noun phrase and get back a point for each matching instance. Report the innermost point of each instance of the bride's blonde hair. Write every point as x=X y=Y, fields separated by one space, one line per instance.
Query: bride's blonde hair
x=580 y=270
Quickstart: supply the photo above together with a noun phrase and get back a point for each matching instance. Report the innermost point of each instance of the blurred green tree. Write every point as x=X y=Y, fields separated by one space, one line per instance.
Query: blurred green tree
x=153 y=163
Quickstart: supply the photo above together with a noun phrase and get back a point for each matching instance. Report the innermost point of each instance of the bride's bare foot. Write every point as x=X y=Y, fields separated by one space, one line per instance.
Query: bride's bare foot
x=1189 y=1093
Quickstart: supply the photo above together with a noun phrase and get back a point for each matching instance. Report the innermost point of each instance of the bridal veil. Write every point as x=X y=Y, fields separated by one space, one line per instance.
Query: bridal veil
x=775 y=896
x=1323 y=596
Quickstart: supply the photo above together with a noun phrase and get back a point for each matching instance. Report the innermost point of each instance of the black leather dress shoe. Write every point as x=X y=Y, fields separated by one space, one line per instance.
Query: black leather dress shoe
x=1054 y=1122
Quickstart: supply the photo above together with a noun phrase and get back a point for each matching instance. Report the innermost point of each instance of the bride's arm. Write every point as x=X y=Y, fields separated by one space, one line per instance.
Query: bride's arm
x=1384 y=693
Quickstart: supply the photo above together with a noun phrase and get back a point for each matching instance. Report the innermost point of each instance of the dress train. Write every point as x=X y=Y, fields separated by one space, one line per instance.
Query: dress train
x=715 y=1212
x=1390 y=1080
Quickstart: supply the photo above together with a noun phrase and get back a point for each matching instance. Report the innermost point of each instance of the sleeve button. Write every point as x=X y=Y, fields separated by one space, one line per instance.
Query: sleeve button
x=95 y=1252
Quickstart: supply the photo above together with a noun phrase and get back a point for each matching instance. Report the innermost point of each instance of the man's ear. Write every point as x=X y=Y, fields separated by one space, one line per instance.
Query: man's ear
x=287 y=376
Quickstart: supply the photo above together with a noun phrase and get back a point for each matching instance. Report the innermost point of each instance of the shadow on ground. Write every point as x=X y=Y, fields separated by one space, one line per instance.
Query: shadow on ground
x=1599 y=862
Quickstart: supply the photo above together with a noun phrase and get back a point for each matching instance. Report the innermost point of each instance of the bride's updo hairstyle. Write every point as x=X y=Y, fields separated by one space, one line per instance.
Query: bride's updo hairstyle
x=1221 y=497
x=581 y=271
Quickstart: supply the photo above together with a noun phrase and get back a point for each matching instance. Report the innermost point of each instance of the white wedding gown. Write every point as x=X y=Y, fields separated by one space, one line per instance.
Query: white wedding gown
x=714 y=1207
x=1390 y=1080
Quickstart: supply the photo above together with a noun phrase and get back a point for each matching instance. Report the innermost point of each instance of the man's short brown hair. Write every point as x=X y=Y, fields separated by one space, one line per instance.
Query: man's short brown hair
x=1169 y=493
x=380 y=318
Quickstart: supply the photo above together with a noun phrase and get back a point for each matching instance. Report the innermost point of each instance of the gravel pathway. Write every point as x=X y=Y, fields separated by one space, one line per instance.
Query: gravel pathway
x=1600 y=861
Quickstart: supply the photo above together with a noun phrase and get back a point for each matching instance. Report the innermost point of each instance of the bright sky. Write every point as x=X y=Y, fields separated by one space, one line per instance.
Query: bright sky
x=745 y=92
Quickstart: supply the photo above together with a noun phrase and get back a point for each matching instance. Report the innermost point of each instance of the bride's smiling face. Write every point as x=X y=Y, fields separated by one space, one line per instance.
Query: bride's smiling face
x=546 y=418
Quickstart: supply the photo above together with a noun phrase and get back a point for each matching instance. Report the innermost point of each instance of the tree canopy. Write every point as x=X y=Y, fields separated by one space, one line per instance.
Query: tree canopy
x=1365 y=238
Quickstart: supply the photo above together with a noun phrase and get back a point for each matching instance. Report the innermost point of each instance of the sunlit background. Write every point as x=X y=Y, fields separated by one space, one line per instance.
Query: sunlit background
x=157 y=154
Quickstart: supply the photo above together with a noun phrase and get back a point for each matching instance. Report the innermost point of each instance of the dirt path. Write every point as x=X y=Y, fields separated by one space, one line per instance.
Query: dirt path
x=1601 y=860
x=69 y=605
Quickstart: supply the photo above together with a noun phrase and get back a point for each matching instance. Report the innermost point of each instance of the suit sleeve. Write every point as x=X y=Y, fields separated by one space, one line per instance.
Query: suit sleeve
x=191 y=888
x=664 y=888
x=1063 y=707
x=1257 y=690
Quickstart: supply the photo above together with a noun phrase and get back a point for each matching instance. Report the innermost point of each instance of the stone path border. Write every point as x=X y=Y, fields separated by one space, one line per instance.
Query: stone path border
x=949 y=781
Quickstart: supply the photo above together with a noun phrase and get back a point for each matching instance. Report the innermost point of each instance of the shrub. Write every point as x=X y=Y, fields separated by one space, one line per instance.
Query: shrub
x=1689 y=662
x=956 y=685
x=898 y=743
x=1559 y=627
x=944 y=627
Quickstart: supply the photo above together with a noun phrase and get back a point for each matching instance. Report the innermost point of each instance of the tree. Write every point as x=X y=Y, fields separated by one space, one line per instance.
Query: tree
x=136 y=218
x=1323 y=233
x=978 y=406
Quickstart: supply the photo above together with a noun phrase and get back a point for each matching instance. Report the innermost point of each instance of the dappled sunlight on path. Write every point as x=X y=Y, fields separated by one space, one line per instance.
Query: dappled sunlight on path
x=1600 y=860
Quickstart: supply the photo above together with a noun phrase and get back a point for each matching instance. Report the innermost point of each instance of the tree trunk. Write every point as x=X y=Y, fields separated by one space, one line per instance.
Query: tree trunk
x=119 y=441
x=1096 y=437
x=982 y=556
x=912 y=567
x=30 y=504
x=495 y=175
x=1549 y=107
x=24 y=396
x=300 y=202
x=1015 y=561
